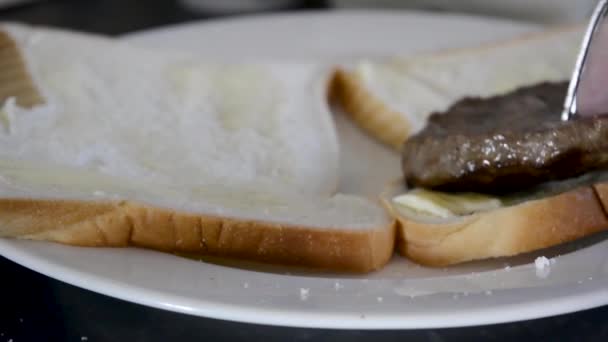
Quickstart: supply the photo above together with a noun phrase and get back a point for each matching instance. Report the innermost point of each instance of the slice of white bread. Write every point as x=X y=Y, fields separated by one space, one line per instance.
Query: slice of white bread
x=392 y=99
x=104 y=144
x=548 y=215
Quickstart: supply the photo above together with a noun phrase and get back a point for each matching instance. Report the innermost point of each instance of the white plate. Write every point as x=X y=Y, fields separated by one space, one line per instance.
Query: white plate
x=402 y=295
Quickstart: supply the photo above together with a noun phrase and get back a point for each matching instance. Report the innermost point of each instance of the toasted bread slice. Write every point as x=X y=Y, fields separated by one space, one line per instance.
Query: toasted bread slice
x=391 y=100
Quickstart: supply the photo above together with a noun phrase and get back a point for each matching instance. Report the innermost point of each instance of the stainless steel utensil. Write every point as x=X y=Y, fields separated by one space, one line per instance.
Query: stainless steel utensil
x=580 y=70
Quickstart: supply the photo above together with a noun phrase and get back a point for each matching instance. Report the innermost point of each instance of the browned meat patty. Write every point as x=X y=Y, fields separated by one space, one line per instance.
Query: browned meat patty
x=504 y=143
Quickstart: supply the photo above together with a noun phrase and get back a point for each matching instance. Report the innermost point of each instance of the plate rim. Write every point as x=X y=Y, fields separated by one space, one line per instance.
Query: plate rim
x=297 y=319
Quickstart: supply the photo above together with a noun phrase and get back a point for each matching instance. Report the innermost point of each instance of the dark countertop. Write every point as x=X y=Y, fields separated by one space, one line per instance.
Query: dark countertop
x=37 y=308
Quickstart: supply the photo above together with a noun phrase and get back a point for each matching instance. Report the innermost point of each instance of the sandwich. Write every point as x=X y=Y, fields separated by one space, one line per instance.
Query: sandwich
x=110 y=145
x=489 y=169
x=510 y=178
x=117 y=146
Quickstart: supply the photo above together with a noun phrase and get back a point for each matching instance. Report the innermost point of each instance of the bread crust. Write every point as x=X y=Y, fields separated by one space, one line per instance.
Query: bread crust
x=125 y=223
x=601 y=191
x=367 y=111
x=15 y=80
x=526 y=227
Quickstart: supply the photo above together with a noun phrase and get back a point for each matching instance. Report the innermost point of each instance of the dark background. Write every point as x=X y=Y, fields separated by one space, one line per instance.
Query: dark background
x=37 y=308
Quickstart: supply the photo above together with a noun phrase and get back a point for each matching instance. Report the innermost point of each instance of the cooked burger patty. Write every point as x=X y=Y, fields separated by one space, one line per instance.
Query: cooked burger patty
x=504 y=143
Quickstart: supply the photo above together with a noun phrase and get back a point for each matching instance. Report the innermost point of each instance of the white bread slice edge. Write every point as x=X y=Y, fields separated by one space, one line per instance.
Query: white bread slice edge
x=393 y=107
x=510 y=230
x=340 y=232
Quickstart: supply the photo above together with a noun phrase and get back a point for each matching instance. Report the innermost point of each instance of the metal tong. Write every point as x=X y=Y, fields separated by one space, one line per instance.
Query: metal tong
x=570 y=104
